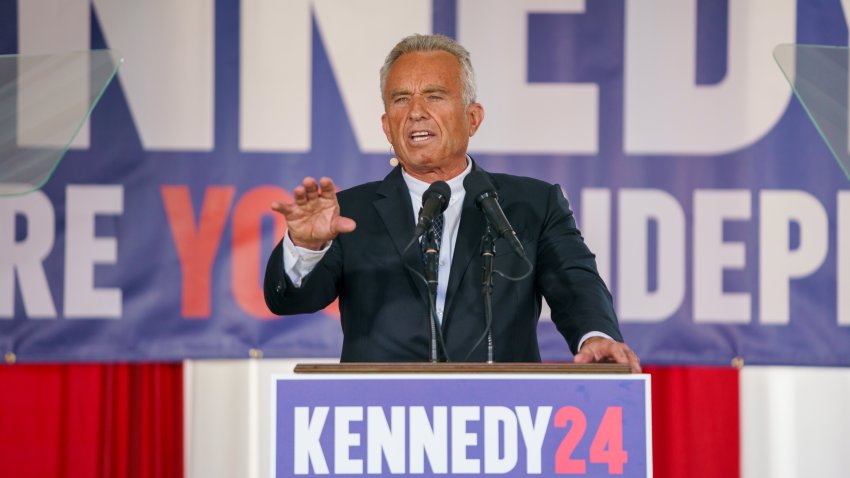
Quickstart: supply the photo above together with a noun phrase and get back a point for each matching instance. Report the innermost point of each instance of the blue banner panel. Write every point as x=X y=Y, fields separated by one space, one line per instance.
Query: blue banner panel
x=718 y=217
x=434 y=425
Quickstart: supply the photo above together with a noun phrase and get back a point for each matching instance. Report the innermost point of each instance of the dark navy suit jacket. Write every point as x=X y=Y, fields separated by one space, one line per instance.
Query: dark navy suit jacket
x=383 y=306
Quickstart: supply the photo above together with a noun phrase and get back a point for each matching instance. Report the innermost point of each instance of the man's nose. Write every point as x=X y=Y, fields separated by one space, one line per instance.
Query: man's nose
x=417 y=109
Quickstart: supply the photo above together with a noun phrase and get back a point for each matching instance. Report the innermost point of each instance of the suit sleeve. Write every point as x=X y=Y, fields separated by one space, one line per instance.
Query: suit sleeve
x=318 y=289
x=568 y=278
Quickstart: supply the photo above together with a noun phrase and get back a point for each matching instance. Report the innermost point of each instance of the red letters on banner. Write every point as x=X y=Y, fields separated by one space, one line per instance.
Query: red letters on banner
x=197 y=243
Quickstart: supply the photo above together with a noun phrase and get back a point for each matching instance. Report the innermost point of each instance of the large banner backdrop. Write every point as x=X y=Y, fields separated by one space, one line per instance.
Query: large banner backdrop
x=720 y=221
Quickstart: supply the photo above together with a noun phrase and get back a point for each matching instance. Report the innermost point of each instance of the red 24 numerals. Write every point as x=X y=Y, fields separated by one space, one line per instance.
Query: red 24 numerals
x=607 y=445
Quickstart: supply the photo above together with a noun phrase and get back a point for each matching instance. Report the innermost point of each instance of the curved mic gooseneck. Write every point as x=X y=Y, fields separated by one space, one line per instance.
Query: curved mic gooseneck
x=479 y=187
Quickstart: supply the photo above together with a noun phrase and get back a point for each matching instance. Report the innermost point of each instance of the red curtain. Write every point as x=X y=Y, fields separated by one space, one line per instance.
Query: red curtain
x=695 y=422
x=126 y=421
x=91 y=421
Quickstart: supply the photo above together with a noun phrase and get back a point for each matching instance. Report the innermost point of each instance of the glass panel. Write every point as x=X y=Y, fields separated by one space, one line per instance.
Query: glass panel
x=44 y=102
x=818 y=75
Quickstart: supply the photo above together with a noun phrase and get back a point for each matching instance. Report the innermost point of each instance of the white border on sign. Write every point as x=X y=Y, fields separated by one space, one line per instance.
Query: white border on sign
x=293 y=377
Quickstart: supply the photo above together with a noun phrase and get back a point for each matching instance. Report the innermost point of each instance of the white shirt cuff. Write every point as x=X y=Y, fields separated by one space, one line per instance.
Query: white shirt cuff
x=298 y=262
x=589 y=335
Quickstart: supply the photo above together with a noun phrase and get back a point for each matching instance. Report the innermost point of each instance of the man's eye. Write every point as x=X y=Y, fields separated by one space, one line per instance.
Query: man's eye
x=435 y=97
x=401 y=100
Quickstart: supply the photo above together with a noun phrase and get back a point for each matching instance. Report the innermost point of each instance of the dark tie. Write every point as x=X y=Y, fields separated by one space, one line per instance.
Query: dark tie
x=437 y=225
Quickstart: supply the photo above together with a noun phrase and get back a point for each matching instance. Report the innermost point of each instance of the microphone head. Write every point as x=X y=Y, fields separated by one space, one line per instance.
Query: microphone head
x=478 y=185
x=441 y=191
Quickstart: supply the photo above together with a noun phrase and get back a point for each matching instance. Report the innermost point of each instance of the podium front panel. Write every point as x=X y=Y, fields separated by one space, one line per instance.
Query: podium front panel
x=461 y=425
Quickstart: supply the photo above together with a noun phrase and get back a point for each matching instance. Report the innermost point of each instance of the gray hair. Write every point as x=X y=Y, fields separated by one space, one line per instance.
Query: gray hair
x=425 y=43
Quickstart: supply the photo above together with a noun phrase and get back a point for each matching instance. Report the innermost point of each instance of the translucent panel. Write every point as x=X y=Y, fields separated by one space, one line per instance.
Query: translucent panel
x=44 y=102
x=819 y=76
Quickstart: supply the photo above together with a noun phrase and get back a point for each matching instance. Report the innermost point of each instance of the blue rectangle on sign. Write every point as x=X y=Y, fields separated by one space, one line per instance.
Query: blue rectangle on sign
x=437 y=425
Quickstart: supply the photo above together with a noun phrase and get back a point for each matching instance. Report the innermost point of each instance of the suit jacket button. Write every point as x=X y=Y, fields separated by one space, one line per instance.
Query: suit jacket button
x=279 y=287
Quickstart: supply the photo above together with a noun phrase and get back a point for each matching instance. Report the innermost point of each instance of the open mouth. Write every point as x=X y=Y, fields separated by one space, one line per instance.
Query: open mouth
x=419 y=136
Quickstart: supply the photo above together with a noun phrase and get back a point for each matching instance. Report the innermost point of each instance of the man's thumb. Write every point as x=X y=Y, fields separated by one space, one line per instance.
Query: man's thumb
x=342 y=225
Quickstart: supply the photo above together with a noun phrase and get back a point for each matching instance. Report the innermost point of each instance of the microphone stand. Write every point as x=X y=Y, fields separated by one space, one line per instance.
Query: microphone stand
x=432 y=259
x=488 y=253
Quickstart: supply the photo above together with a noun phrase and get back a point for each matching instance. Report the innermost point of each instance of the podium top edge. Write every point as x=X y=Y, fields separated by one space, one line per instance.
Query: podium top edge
x=450 y=368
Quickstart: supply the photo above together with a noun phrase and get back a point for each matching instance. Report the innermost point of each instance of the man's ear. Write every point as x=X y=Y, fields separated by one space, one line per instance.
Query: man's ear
x=385 y=124
x=475 y=115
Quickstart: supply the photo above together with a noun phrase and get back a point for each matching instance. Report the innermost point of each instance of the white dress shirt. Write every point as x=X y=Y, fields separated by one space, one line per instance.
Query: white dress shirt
x=451 y=224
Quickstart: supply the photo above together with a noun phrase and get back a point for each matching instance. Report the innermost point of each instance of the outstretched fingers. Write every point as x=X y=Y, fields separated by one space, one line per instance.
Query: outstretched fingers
x=327 y=188
x=300 y=195
x=307 y=195
x=313 y=216
x=311 y=188
x=282 y=208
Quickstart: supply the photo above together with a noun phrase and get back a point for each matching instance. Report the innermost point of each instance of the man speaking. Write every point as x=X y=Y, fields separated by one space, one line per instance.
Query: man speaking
x=356 y=245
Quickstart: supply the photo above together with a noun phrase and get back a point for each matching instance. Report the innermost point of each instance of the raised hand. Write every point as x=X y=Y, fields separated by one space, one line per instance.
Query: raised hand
x=313 y=219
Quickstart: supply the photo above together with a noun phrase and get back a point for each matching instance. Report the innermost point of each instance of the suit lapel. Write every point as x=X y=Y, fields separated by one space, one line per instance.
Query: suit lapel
x=396 y=211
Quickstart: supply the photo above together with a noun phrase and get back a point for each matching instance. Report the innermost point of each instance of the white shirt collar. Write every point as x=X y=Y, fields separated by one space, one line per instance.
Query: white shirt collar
x=418 y=187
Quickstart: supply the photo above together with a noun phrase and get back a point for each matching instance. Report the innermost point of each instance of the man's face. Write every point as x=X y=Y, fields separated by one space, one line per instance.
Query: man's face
x=425 y=119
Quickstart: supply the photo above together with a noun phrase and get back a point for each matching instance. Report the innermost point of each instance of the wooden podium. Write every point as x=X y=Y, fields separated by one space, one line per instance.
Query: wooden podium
x=460 y=367
x=461 y=419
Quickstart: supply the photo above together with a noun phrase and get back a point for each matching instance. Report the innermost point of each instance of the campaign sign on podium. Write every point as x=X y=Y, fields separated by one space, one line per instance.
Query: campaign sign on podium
x=461 y=425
